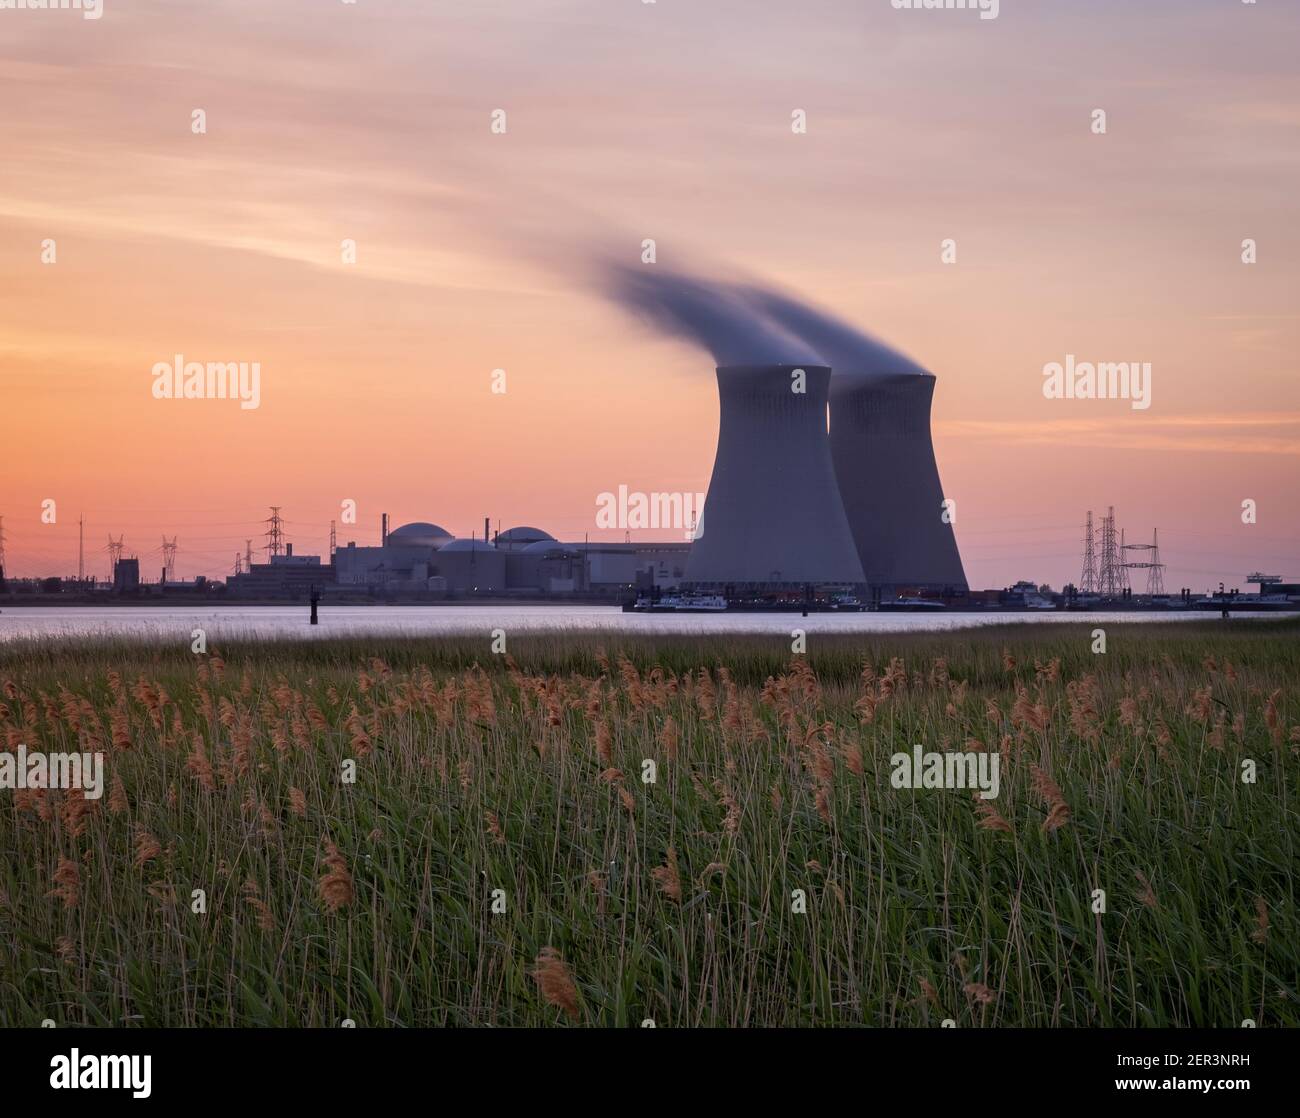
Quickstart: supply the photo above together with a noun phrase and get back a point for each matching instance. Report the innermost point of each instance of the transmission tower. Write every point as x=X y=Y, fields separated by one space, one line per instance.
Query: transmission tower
x=274 y=533
x=169 y=558
x=1152 y=566
x=1088 y=580
x=1111 y=577
x=114 y=550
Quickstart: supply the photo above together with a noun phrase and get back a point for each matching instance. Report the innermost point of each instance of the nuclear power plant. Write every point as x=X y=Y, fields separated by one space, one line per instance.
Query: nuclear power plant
x=824 y=488
x=773 y=518
x=825 y=473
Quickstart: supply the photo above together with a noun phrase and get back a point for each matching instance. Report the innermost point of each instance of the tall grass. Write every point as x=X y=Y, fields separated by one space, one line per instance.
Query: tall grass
x=771 y=875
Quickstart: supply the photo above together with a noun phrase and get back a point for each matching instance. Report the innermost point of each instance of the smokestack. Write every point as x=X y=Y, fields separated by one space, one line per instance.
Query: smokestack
x=773 y=518
x=288 y=551
x=889 y=481
x=486 y=529
x=383 y=530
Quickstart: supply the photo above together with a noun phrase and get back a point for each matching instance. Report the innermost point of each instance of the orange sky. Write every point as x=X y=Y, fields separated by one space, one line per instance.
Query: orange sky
x=371 y=121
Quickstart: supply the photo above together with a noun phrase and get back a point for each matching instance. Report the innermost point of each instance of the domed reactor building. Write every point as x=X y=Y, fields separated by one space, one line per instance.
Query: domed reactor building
x=773 y=519
x=421 y=558
x=418 y=534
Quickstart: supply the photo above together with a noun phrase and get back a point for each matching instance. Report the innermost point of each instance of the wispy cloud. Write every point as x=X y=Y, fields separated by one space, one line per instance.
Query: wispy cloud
x=1263 y=433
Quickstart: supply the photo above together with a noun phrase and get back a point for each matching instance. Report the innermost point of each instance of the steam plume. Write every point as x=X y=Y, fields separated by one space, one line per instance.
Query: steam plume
x=844 y=348
x=705 y=313
x=746 y=324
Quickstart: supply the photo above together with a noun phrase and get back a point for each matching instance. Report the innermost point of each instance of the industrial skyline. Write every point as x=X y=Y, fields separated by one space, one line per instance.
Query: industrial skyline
x=207 y=557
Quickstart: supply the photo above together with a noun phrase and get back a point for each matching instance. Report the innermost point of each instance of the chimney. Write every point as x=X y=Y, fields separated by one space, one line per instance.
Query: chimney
x=383 y=532
x=486 y=529
x=288 y=551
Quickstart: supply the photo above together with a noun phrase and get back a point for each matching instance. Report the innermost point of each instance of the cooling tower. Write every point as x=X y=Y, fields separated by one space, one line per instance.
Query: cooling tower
x=773 y=518
x=889 y=483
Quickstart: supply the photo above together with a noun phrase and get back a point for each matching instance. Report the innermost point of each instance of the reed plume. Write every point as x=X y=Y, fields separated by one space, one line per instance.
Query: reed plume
x=668 y=878
x=67 y=883
x=1058 y=814
x=555 y=981
x=336 y=886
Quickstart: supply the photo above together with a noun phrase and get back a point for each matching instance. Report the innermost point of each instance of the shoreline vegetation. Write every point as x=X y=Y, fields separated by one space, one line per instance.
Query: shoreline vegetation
x=601 y=828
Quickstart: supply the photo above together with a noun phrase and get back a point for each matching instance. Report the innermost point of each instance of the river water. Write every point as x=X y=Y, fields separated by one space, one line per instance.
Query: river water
x=270 y=622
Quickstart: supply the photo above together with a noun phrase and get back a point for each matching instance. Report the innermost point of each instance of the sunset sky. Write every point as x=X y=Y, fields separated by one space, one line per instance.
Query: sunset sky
x=627 y=120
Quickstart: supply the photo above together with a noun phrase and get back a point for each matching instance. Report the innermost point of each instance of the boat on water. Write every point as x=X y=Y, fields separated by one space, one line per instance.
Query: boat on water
x=701 y=603
x=687 y=602
x=1263 y=602
x=681 y=603
x=910 y=605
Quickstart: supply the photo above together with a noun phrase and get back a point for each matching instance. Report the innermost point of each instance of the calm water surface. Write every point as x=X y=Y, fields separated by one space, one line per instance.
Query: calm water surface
x=269 y=622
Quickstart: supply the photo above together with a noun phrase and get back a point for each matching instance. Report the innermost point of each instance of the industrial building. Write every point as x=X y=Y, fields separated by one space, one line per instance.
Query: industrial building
x=423 y=558
x=283 y=576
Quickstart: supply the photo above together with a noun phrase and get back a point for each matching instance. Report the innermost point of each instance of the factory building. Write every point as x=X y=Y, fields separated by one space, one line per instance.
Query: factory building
x=284 y=576
x=126 y=575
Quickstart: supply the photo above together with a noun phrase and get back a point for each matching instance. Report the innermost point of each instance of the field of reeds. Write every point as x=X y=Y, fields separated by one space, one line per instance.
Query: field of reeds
x=419 y=832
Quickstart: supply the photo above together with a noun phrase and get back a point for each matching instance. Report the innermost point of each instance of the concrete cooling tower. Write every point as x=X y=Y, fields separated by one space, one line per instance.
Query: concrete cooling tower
x=773 y=518
x=889 y=482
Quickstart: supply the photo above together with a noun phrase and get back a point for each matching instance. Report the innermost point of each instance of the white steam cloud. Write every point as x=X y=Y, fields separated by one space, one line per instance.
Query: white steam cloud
x=746 y=324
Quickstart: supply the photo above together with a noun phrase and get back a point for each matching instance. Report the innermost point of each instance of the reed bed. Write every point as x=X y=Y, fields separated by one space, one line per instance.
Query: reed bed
x=500 y=859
